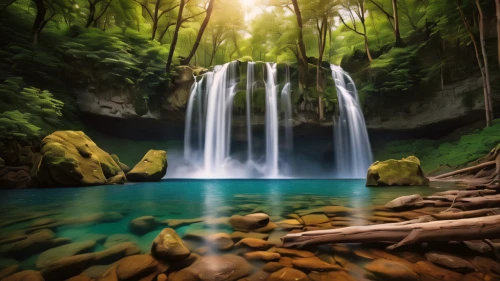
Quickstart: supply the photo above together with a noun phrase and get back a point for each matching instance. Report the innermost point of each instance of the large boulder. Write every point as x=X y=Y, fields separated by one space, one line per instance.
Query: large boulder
x=71 y=158
x=152 y=167
x=406 y=171
x=169 y=246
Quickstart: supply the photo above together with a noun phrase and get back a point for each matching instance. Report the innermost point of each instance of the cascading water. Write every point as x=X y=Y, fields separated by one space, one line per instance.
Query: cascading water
x=249 y=95
x=209 y=117
x=271 y=120
x=353 y=154
x=286 y=107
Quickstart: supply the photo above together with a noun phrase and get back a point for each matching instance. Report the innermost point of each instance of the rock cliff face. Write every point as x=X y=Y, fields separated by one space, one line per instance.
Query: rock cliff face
x=462 y=99
x=457 y=104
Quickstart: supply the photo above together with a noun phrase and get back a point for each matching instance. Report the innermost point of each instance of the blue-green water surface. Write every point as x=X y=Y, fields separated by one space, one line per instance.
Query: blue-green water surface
x=188 y=199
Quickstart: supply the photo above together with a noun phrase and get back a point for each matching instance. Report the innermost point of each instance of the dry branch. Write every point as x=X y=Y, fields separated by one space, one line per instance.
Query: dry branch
x=402 y=234
x=466 y=170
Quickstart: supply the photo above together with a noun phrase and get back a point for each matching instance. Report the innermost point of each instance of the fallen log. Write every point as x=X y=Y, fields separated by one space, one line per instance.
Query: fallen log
x=466 y=170
x=402 y=234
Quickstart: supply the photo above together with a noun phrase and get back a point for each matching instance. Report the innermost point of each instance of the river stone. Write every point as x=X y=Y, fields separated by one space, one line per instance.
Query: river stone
x=152 y=167
x=135 y=267
x=430 y=271
x=67 y=250
x=249 y=222
x=169 y=246
x=8 y=270
x=262 y=255
x=226 y=267
x=221 y=241
x=450 y=261
x=294 y=253
x=27 y=275
x=315 y=219
x=288 y=274
x=272 y=267
x=406 y=171
x=391 y=270
x=71 y=158
x=143 y=225
x=116 y=239
x=253 y=243
x=314 y=264
x=405 y=201
x=36 y=242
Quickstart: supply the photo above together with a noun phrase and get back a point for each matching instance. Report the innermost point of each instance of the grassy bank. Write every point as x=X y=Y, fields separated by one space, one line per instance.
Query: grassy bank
x=434 y=153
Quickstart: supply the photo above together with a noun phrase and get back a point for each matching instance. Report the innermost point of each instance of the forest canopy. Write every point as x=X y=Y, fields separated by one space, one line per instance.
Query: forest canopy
x=392 y=48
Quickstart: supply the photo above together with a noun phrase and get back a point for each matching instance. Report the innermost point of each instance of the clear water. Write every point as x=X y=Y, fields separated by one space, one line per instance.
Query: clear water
x=187 y=199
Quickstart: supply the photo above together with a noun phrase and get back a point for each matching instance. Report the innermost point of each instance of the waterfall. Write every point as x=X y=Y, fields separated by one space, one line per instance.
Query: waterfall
x=271 y=120
x=249 y=95
x=218 y=118
x=353 y=154
x=286 y=107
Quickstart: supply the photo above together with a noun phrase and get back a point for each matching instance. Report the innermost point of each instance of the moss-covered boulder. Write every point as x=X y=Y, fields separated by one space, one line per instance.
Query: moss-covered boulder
x=71 y=158
x=406 y=171
x=152 y=167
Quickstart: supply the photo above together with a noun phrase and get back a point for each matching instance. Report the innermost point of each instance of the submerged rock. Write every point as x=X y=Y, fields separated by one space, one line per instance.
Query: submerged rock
x=71 y=158
x=288 y=274
x=414 y=200
x=450 y=261
x=391 y=270
x=169 y=246
x=249 y=222
x=60 y=252
x=152 y=167
x=406 y=171
x=143 y=225
x=27 y=275
x=226 y=267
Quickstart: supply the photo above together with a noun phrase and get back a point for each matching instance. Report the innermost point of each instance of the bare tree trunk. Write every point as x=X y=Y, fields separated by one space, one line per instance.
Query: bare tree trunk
x=396 y=22
x=91 y=15
x=303 y=66
x=41 y=12
x=322 y=28
x=176 y=35
x=479 y=62
x=485 y=58
x=497 y=3
x=155 y=20
x=200 y=33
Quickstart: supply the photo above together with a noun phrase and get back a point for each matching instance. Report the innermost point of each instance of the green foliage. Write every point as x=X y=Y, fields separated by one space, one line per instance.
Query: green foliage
x=396 y=70
x=435 y=153
x=117 y=58
x=37 y=112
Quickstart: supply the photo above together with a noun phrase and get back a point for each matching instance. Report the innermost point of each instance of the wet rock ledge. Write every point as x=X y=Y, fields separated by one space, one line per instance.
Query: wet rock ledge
x=71 y=158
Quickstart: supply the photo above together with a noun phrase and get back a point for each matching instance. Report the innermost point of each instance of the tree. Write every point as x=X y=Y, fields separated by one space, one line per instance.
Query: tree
x=176 y=35
x=156 y=10
x=358 y=8
x=497 y=4
x=95 y=13
x=486 y=80
x=200 y=33
x=482 y=67
x=397 y=34
x=45 y=11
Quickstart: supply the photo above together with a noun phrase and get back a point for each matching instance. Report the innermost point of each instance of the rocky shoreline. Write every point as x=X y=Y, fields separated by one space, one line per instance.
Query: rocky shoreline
x=252 y=249
x=71 y=158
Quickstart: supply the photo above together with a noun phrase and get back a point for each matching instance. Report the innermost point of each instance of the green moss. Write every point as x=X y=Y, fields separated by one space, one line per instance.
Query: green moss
x=435 y=153
x=396 y=172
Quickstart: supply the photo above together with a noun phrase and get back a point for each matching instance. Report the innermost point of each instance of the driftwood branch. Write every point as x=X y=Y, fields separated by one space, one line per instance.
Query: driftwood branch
x=402 y=234
x=466 y=170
